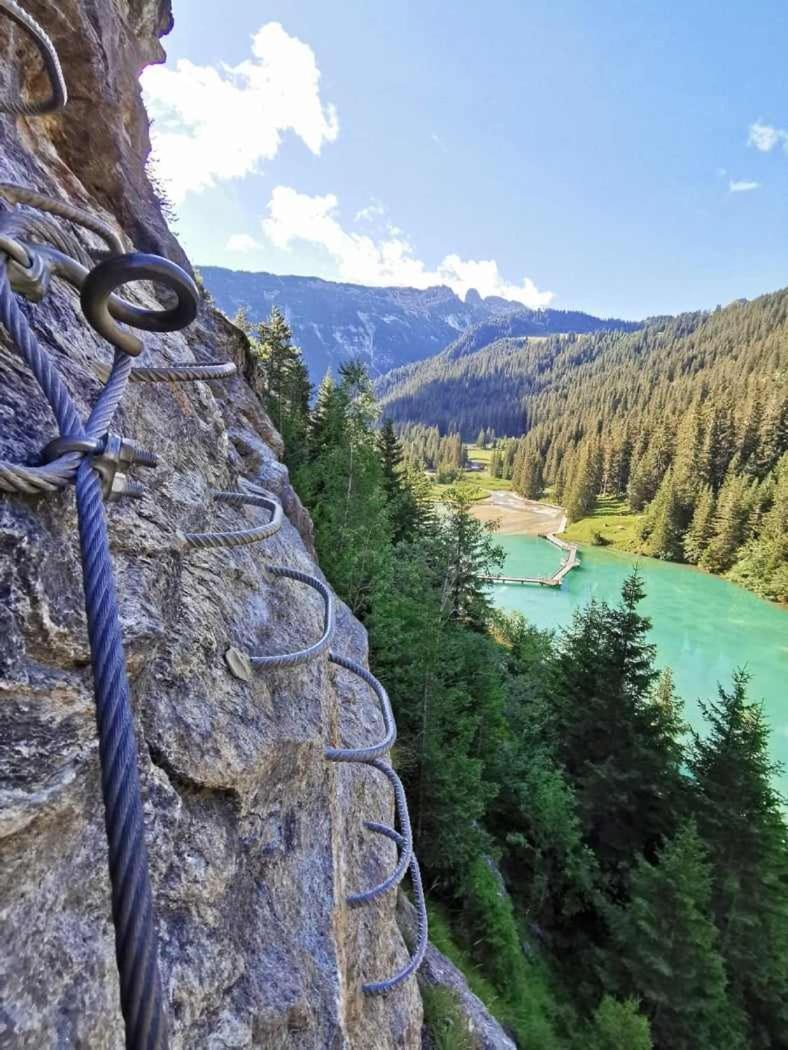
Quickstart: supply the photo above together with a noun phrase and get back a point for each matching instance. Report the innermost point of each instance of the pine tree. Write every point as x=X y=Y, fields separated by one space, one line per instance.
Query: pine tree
x=470 y=553
x=762 y=563
x=741 y=820
x=621 y=750
x=662 y=531
x=668 y=949
x=583 y=488
x=286 y=386
x=701 y=527
x=731 y=523
x=619 y=1026
x=649 y=470
x=529 y=480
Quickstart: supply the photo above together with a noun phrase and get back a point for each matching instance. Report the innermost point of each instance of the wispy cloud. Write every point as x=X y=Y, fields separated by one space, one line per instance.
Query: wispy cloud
x=242 y=243
x=387 y=260
x=373 y=212
x=212 y=124
x=742 y=185
x=765 y=137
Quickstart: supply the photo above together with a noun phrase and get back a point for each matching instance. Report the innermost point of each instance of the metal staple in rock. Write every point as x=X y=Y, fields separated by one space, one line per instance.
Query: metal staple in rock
x=369 y=755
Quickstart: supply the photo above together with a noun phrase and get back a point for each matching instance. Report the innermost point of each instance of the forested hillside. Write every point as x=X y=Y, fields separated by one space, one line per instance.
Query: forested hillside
x=686 y=418
x=605 y=880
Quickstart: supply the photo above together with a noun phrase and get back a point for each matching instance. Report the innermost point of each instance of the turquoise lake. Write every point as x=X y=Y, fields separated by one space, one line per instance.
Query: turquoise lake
x=703 y=626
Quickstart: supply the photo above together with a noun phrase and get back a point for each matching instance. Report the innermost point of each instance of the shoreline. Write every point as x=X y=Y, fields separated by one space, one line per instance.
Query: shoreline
x=518 y=516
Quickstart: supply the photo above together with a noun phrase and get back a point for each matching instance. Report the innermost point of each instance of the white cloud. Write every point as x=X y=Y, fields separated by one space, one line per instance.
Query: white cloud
x=243 y=243
x=388 y=260
x=742 y=185
x=764 y=137
x=374 y=211
x=214 y=124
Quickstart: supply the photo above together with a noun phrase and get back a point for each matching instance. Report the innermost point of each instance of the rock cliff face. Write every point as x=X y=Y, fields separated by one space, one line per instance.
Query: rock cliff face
x=255 y=840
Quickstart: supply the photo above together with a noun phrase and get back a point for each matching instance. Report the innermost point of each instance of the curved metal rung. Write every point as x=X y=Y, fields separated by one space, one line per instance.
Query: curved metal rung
x=406 y=844
x=240 y=537
x=310 y=652
x=59 y=94
x=422 y=935
x=373 y=751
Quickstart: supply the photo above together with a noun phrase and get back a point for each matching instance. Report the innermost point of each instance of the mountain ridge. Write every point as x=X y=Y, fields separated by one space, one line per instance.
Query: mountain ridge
x=387 y=326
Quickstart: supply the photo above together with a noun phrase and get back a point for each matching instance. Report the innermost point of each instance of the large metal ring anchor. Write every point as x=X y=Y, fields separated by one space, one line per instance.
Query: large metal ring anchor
x=102 y=309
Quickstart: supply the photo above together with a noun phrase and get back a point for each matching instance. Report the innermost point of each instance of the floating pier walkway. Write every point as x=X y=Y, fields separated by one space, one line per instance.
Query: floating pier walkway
x=569 y=562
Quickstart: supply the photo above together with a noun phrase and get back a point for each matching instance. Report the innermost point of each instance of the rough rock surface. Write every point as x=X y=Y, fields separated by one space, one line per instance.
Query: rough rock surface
x=485 y=1032
x=254 y=839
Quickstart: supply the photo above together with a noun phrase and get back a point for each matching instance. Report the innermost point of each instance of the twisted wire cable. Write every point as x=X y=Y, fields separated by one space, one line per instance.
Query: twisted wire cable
x=186 y=373
x=15 y=194
x=309 y=652
x=239 y=537
x=422 y=927
x=132 y=899
x=59 y=94
x=369 y=754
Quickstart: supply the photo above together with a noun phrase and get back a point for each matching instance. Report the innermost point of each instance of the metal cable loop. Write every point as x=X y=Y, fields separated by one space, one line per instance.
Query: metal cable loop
x=15 y=194
x=132 y=899
x=422 y=932
x=310 y=652
x=401 y=808
x=373 y=751
x=59 y=94
x=241 y=536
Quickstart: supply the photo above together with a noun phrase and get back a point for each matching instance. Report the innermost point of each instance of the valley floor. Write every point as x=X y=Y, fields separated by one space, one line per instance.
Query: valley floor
x=518 y=516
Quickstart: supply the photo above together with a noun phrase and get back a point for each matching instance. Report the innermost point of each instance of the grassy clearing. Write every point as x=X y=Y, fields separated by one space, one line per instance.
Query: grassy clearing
x=479 y=455
x=479 y=485
x=611 y=521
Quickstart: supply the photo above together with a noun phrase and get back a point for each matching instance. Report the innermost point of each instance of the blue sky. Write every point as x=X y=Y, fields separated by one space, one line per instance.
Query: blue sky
x=619 y=158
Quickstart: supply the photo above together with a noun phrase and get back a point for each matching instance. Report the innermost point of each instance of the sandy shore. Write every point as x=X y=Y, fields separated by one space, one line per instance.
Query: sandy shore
x=518 y=516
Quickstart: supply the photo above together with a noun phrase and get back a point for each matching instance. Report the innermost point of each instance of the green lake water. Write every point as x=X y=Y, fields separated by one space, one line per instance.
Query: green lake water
x=703 y=626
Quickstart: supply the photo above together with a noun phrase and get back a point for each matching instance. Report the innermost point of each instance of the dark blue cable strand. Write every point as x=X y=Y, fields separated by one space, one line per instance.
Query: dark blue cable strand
x=132 y=898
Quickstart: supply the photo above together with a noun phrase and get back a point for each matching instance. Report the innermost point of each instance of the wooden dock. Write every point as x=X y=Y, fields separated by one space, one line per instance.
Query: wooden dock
x=570 y=561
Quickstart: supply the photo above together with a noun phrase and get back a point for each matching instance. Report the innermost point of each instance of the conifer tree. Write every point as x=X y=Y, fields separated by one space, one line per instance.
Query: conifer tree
x=731 y=523
x=662 y=531
x=701 y=526
x=621 y=750
x=668 y=949
x=619 y=1026
x=741 y=820
x=762 y=563
x=286 y=386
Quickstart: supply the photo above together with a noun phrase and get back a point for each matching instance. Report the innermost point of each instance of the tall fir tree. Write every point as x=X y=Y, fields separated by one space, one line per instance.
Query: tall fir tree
x=741 y=819
x=668 y=950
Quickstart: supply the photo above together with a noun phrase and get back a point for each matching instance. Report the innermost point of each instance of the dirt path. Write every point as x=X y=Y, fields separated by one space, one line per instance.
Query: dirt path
x=518 y=516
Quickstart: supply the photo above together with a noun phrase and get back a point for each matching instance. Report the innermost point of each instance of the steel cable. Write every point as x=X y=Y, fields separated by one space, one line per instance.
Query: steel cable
x=422 y=927
x=132 y=899
x=59 y=94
